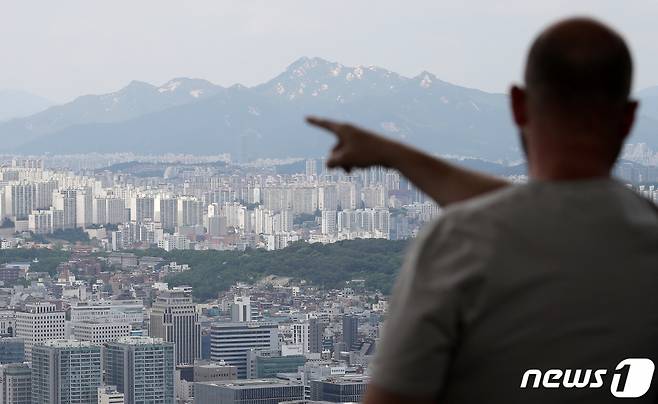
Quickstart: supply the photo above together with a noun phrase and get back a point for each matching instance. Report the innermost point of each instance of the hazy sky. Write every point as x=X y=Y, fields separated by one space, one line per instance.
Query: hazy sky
x=62 y=49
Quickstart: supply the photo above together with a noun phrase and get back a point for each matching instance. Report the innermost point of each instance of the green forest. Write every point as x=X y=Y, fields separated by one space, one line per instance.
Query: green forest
x=330 y=265
x=42 y=260
x=324 y=265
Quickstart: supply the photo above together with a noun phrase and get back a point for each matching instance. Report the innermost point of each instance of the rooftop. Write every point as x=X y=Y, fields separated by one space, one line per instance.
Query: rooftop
x=140 y=340
x=68 y=343
x=251 y=383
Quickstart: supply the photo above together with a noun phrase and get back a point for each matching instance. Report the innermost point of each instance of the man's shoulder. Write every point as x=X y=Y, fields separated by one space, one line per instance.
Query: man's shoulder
x=535 y=196
x=495 y=203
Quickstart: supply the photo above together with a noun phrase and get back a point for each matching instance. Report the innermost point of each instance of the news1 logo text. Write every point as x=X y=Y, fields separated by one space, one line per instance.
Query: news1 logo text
x=631 y=378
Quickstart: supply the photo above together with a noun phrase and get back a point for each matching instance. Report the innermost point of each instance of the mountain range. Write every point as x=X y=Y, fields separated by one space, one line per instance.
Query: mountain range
x=266 y=121
x=17 y=104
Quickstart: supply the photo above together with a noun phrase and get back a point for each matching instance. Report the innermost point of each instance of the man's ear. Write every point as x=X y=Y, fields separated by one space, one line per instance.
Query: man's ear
x=519 y=106
x=628 y=117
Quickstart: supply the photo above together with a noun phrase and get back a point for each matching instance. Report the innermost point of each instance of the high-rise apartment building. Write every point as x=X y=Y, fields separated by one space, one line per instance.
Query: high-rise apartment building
x=328 y=197
x=66 y=372
x=19 y=200
x=142 y=368
x=311 y=167
x=39 y=322
x=41 y=221
x=329 y=219
x=66 y=201
x=190 y=211
x=109 y=210
x=142 y=208
x=174 y=319
x=231 y=342
x=168 y=213
x=84 y=207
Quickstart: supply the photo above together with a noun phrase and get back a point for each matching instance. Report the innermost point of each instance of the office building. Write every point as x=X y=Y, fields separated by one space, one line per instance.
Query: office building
x=15 y=384
x=347 y=389
x=142 y=368
x=300 y=336
x=231 y=342
x=351 y=332
x=241 y=309
x=214 y=371
x=112 y=311
x=174 y=319
x=315 y=335
x=39 y=322
x=99 y=332
x=66 y=372
x=257 y=391
x=7 y=318
x=264 y=363
x=12 y=350
x=109 y=395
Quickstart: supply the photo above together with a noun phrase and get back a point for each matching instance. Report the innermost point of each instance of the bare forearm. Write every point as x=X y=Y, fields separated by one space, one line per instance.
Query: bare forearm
x=444 y=182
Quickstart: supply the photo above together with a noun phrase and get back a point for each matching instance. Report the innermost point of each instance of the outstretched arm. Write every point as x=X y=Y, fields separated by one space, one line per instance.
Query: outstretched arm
x=444 y=182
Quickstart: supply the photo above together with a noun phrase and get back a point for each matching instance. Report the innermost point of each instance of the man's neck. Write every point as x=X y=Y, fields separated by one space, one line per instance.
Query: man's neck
x=567 y=173
x=568 y=158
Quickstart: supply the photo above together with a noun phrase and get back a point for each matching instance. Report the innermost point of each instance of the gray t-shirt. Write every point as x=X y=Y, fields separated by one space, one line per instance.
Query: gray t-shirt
x=547 y=275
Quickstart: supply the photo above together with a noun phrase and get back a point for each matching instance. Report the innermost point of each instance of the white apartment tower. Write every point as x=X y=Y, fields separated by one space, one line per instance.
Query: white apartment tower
x=66 y=201
x=329 y=225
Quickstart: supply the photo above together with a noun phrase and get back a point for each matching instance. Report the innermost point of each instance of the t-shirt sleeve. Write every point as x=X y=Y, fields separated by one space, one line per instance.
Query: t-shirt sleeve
x=424 y=316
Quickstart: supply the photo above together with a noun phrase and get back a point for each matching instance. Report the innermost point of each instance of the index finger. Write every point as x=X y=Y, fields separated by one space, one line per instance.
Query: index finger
x=324 y=123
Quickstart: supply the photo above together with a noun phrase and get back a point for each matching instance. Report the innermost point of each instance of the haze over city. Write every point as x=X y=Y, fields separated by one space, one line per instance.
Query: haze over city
x=72 y=48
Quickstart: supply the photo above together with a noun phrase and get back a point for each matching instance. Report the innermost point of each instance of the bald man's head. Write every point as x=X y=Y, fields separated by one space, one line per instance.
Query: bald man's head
x=579 y=64
x=575 y=111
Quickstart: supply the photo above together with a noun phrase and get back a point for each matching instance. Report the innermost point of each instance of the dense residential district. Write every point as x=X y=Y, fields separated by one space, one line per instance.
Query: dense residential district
x=192 y=280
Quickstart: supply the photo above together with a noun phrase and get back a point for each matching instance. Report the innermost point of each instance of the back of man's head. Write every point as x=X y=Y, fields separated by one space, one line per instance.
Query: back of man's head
x=579 y=66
